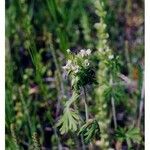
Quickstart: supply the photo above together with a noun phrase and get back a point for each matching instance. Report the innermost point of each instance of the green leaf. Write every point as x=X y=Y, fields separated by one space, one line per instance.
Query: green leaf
x=90 y=130
x=134 y=134
x=130 y=134
x=69 y=121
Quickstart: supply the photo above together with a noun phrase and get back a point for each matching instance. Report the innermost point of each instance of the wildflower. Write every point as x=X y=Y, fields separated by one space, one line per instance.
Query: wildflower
x=68 y=65
x=97 y=25
x=75 y=68
x=110 y=57
x=65 y=67
x=82 y=53
x=68 y=50
x=100 y=49
x=69 y=62
x=107 y=50
x=104 y=41
x=88 y=51
x=86 y=62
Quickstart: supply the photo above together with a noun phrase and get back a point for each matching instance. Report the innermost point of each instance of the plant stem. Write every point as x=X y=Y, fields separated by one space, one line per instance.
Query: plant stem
x=114 y=112
x=113 y=106
x=85 y=104
x=141 y=103
x=86 y=112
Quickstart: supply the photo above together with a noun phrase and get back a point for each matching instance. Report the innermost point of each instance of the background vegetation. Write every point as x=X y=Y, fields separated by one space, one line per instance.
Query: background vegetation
x=38 y=34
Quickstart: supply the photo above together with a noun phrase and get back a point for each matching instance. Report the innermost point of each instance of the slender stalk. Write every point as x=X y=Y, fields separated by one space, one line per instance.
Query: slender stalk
x=114 y=112
x=90 y=146
x=85 y=104
x=141 y=104
x=113 y=106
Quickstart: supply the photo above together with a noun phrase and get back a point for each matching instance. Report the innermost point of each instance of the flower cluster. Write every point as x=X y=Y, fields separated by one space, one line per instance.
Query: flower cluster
x=84 y=53
x=71 y=66
x=77 y=62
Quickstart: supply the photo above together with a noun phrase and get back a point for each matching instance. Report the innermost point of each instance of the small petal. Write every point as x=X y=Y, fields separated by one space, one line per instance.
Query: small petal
x=82 y=52
x=68 y=51
x=64 y=67
x=88 y=51
x=69 y=62
x=86 y=62
x=100 y=49
x=77 y=70
x=110 y=57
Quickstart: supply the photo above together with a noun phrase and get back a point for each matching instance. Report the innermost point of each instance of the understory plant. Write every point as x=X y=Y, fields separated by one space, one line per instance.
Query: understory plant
x=80 y=71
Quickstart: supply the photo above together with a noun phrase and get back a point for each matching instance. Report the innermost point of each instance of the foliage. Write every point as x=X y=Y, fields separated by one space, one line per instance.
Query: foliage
x=68 y=121
x=90 y=130
x=130 y=134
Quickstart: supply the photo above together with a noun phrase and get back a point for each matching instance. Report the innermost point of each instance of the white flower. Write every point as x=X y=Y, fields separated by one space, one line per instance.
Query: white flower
x=69 y=62
x=68 y=65
x=88 y=51
x=82 y=52
x=110 y=57
x=100 y=50
x=97 y=25
x=86 y=62
x=104 y=41
x=107 y=50
x=68 y=50
x=75 y=68
x=65 y=67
